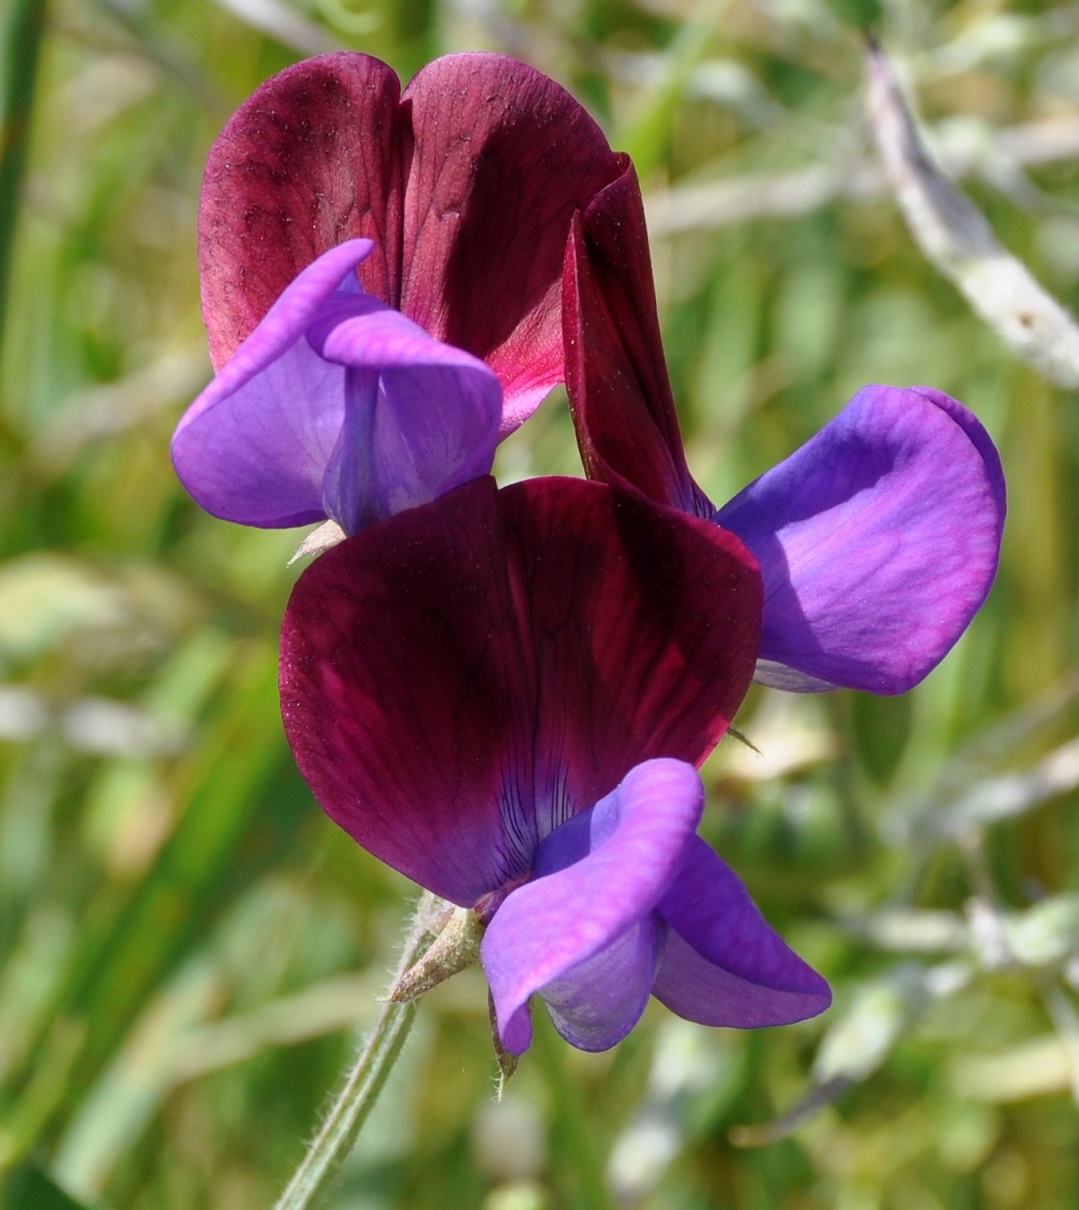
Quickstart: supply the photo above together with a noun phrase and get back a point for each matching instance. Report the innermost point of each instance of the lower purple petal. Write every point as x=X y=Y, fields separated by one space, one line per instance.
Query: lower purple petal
x=598 y=1001
x=878 y=541
x=254 y=446
x=426 y=424
x=723 y=964
x=612 y=865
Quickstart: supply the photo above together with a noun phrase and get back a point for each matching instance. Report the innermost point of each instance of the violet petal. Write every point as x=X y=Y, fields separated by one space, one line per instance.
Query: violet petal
x=420 y=417
x=254 y=446
x=723 y=964
x=598 y=1001
x=552 y=931
x=878 y=540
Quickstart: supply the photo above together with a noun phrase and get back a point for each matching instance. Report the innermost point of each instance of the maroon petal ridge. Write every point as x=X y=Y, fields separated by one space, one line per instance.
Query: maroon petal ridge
x=616 y=375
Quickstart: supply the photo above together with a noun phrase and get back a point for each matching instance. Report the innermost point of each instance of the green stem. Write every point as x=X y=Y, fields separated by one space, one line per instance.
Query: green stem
x=20 y=45
x=374 y=1060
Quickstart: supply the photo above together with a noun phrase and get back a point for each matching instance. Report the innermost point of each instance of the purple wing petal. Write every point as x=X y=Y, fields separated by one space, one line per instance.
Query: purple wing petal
x=580 y=933
x=878 y=540
x=723 y=964
x=616 y=375
x=313 y=158
x=503 y=158
x=420 y=417
x=979 y=438
x=253 y=448
x=597 y=1002
x=461 y=679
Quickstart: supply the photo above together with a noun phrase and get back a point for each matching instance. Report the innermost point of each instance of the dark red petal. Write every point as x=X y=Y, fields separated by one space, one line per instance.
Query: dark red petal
x=503 y=158
x=459 y=680
x=628 y=661
x=400 y=660
x=311 y=159
x=619 y=392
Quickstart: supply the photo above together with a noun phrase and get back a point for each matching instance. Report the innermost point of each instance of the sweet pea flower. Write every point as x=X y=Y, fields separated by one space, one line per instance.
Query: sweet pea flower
x=381 y=283
x=504 y=695
x=877 y=541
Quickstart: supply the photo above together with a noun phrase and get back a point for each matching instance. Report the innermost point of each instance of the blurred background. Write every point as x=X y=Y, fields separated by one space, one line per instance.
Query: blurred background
x=189 y=949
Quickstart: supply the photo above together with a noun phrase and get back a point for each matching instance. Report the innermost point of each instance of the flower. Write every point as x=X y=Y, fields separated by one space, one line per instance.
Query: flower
x=450 y=207
x=504 y=695
x=877 y=541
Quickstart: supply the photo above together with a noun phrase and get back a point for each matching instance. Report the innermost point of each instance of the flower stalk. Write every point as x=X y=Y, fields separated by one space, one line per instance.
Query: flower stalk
x=374 y=1060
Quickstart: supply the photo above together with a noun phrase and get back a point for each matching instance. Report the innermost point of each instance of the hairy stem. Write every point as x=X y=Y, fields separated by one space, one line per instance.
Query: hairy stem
x=374 y=1060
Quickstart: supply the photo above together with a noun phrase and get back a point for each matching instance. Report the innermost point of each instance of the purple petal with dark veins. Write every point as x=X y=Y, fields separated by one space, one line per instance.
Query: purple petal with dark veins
x=581 y=926
x=878 y=541
x=723 y=964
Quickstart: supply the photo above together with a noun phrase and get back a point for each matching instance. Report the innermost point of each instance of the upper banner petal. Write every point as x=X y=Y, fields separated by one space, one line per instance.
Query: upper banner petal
x=878 y=540
x=616 y=374
x=314 y=157
x=503 y=158
x=461 y=679
x=497 y=158
x=577 y=933
x=723 y=964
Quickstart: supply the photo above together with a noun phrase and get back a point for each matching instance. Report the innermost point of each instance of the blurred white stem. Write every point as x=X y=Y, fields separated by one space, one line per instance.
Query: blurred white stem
x=955 y=236
x=966 y=149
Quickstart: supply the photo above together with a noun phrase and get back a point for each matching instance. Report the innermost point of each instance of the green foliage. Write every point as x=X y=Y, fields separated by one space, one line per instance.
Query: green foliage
x=187 y=946
x=29 y=1188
